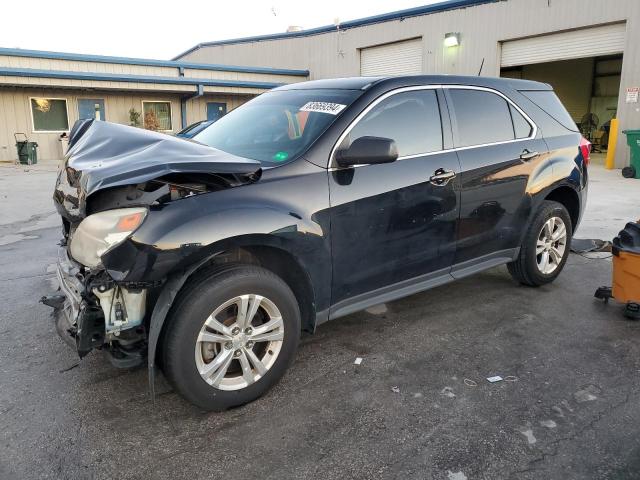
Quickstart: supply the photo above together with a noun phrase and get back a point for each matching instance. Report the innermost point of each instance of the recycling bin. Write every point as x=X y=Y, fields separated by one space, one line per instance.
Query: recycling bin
x=27 y=151
x=633 y=140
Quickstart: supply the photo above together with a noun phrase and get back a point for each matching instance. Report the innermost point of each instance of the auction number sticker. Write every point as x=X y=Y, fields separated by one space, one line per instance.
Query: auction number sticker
x=323 y=107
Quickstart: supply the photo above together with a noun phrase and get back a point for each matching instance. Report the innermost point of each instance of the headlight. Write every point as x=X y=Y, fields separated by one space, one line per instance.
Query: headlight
x=100 y=232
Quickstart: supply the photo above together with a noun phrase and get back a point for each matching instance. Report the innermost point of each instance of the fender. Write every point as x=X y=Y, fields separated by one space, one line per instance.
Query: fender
x=179 y=276
x=161 y=309
x=557 y=174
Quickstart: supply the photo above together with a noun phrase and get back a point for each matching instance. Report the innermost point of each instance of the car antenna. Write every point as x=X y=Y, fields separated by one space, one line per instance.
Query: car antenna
x=481 y=65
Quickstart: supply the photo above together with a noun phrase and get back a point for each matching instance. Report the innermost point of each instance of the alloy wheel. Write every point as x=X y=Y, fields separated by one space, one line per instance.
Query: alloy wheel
x=239 y=342
x=551 y=245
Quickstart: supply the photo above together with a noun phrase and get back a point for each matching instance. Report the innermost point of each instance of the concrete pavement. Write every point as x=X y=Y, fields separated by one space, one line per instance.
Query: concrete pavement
x=418 y=406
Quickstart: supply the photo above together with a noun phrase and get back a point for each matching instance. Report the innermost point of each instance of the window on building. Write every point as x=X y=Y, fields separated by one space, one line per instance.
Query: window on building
x=412 y=119
x=157 y=115
x=49 y=114
x=481 y=117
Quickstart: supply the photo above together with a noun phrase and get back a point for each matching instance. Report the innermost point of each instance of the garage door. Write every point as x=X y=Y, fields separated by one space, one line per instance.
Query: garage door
x=399 y=58
x=588 y=42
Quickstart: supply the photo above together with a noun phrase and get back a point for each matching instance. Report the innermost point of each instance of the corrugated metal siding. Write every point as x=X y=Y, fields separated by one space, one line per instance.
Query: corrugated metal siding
x=482 y=29
x=588 y=42
x=126 y=69
x=399 y=58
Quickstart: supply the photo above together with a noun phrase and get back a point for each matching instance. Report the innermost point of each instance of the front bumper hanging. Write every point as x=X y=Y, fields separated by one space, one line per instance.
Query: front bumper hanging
x=78 y=323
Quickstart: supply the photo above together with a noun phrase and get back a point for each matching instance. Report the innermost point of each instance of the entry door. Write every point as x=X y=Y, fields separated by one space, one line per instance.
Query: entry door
x=216 y=110
x=498 y=152
x=389 y=223
x=91 y=108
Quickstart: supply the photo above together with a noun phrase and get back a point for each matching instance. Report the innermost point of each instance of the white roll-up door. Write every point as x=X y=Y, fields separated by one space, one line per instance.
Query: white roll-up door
x=398 y=58
x=586 y=42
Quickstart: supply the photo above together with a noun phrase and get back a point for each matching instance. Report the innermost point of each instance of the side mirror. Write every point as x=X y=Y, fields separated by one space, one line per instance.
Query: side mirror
x=368 y=150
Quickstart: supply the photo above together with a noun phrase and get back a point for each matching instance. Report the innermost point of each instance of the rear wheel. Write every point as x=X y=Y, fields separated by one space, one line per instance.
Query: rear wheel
x=231 y=336
x=545 y=248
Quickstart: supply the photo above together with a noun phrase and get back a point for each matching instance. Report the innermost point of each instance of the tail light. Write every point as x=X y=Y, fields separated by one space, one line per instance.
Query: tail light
x=585 y=149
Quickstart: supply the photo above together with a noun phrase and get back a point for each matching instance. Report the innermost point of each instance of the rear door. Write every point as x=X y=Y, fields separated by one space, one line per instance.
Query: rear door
x=391 y=225
x=498 y=149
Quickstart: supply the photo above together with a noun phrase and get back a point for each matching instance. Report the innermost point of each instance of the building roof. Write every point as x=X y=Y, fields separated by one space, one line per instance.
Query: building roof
x=118 y=77
x=73 y=70
x=385 y=17
x=79 y=57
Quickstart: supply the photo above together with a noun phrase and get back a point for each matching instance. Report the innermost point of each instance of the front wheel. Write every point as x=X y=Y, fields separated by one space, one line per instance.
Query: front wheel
x=545 y=248
x=231 y=336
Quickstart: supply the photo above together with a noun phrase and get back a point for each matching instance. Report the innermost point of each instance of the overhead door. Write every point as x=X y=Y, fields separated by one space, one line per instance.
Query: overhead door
x=587 y=42
x=398 y=58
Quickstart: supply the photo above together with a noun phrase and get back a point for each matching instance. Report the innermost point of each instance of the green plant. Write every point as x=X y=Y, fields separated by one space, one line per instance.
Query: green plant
x=134 y=118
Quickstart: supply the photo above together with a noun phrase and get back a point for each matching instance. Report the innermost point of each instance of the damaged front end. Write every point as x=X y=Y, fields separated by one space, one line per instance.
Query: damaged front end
x=92 y=311
x=112 y=177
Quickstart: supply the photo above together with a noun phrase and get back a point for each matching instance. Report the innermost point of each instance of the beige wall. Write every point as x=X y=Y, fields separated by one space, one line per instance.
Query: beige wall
x=15 y=115
x=482 y=29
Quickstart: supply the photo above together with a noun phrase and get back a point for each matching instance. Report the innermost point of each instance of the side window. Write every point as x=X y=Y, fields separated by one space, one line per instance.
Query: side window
x=412 y=119
x=521 y=127
x=481 y=117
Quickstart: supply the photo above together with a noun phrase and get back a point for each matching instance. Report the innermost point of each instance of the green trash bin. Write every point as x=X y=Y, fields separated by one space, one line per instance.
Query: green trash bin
x=27 y=151
x=633 y=140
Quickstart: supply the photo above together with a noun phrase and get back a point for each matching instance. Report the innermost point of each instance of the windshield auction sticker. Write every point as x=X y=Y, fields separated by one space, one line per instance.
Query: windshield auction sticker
x=323 y=107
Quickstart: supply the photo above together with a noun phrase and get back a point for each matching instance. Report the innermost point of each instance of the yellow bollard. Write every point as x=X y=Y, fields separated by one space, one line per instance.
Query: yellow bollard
x=611 y=149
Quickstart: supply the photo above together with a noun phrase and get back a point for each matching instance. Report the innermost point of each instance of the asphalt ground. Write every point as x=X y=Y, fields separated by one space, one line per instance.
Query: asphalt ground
x=418 y=406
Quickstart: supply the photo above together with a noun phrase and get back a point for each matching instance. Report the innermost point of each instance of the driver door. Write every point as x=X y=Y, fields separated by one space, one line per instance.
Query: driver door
x=393 y=225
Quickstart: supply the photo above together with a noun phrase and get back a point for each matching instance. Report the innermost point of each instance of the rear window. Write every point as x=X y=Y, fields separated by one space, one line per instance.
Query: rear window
x=551 y=104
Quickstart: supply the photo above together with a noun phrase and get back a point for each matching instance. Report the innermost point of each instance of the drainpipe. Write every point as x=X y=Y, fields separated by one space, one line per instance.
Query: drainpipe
x=183 y=104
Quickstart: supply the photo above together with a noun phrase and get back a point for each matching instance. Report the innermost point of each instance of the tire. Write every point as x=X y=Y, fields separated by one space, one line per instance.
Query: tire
x=528 y=268
x=187 y=358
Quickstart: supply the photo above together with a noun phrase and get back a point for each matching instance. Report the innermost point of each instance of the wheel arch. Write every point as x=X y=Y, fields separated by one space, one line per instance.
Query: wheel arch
x=568 y=197
x=274 y=257
x=262 y=250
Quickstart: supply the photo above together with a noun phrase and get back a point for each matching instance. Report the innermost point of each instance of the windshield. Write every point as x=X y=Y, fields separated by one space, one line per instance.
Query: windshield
x=277 y=126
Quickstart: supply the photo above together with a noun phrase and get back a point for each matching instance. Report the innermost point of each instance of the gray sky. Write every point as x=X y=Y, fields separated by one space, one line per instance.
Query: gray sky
x=162 y=29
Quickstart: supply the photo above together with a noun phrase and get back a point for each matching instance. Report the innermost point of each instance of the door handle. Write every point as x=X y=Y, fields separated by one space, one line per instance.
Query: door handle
x=528 y=154
x=441 y=177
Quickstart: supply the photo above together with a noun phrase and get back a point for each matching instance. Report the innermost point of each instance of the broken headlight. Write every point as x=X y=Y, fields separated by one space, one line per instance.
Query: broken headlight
x=102 y=231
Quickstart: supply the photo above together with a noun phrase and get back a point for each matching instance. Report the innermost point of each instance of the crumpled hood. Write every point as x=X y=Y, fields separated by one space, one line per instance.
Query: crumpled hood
x=104 y=155
x=109 y=155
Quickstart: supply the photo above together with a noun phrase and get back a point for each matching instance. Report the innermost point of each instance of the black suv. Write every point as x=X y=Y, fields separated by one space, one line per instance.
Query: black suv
x=310 y=202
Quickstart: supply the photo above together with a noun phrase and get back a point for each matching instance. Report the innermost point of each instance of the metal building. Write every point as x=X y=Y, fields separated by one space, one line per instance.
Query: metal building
x=43 y=93
x=589 y=50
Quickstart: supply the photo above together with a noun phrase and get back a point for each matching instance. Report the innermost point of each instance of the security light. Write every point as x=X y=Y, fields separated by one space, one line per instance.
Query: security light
x=451 y=39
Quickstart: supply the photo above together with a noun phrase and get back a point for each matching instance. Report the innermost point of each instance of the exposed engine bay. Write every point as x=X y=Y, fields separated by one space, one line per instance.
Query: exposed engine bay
x=112 y=177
